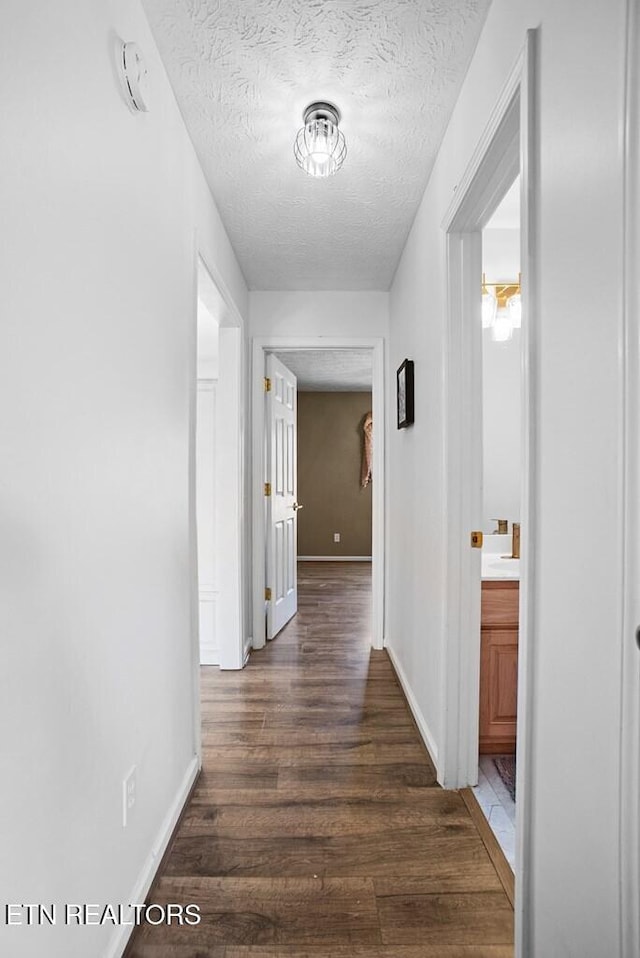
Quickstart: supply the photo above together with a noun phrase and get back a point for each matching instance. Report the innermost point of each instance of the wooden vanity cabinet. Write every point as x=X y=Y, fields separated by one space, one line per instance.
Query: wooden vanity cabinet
x=498 y=666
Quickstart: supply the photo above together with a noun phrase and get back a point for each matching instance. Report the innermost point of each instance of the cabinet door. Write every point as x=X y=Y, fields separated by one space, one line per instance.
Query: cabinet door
x=498 y=690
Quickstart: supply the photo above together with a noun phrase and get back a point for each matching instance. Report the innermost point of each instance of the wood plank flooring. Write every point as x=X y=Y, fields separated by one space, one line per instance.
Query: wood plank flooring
x=316 y=829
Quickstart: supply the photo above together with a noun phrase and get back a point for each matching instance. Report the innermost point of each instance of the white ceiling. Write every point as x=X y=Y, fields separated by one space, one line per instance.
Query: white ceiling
x=244 y=70
x=330 y=370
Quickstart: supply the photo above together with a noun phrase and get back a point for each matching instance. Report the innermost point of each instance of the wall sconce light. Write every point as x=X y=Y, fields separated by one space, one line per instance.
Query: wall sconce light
x=514 y=308
x=502 y=329
x=320 y=147
x=501 y=308
x=489 y=305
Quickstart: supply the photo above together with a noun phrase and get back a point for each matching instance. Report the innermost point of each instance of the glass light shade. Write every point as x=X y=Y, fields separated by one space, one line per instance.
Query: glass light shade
x=502 y=329
x=514 y=307
x=489 y=309
x=320 y=147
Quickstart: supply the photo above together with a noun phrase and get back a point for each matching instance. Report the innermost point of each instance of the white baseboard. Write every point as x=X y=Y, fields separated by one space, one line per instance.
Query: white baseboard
x=148 y=873
x=423 y=728
x=209 y=655
x=334 y=558
x=207 y=615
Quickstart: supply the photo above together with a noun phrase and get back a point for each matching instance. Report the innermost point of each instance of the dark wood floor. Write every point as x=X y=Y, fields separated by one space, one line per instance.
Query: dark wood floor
x=316 y=829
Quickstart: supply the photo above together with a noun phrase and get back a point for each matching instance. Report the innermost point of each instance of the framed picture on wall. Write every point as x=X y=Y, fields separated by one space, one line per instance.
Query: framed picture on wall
x=405 y=393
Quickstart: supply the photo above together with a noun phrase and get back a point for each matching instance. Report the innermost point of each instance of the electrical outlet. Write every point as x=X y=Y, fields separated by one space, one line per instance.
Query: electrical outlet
x=129 y=795
x=336 y=537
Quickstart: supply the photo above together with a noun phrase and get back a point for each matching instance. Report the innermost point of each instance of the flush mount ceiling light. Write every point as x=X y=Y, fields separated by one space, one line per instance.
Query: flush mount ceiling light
x=320 y=147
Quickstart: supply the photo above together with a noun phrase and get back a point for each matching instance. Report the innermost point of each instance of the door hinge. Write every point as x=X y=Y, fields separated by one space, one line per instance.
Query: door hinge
x=267 y=384
x=267 y=595
x=476 y=540
x=267 y=488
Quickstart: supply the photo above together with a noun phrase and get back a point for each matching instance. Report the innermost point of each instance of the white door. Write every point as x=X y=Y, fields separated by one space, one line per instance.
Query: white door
x=282 y=508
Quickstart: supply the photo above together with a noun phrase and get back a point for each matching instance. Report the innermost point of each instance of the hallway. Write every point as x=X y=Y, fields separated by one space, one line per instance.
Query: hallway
x=316 y=829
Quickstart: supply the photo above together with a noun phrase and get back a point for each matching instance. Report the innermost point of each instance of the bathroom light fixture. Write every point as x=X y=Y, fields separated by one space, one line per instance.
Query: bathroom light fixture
x=489 y=305
x=320 y=148
x=506 y=314
x=514 y=308
x=502 y=330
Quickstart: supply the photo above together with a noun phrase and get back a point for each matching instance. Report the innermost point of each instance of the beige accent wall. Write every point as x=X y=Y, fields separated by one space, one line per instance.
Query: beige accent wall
x=329 y=457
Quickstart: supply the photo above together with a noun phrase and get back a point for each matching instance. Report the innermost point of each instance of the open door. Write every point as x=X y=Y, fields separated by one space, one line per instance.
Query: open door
x=282 y=507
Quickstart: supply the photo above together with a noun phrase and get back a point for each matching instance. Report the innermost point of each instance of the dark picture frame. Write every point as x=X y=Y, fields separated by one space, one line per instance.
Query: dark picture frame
x=404 y=393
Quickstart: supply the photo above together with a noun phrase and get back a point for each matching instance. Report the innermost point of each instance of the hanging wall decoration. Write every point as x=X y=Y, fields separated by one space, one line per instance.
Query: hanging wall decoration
x=405 y=393
x=367 y=451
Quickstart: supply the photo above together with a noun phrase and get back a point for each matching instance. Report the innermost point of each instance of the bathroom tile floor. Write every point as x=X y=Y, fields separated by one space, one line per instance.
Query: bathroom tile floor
x=498 y=807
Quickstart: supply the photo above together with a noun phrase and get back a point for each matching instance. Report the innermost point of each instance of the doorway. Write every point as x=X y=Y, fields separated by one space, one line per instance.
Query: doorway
x=217 y=483
x=319 y=355
x=501 y=321
x=333 y=469
x=208 y=356
x=507 y=148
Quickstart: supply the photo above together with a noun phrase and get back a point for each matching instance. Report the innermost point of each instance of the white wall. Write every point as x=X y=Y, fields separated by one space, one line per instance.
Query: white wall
x=501 y=385
x=501 y=429
x=100 y=213
x=573 y=906
x=501 y=255
x=339 y=313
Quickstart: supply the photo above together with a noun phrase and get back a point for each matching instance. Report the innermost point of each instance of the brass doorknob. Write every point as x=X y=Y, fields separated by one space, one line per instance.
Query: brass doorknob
x=296 y=506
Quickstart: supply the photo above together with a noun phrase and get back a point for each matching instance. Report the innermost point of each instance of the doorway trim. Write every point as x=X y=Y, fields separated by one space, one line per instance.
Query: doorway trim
x=630 y=677
x=507 y=147
x=261 y=346
x=229 y=480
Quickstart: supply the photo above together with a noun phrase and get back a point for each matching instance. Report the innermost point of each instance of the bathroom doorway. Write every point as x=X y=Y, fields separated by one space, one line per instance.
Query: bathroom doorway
x=501 y=321
x=507 y=149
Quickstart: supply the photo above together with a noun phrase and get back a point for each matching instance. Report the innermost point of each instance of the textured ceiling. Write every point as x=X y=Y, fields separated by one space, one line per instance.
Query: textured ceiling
x=330 y=370
x=244 y=70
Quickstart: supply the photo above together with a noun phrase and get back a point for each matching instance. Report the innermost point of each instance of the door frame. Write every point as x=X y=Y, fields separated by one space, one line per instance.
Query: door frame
x=507 y=147
x=230 y=628
x=280 y=344
x=630 y=678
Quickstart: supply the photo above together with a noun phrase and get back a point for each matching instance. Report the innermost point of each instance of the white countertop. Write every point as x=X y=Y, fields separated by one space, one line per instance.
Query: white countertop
x=496 y=566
